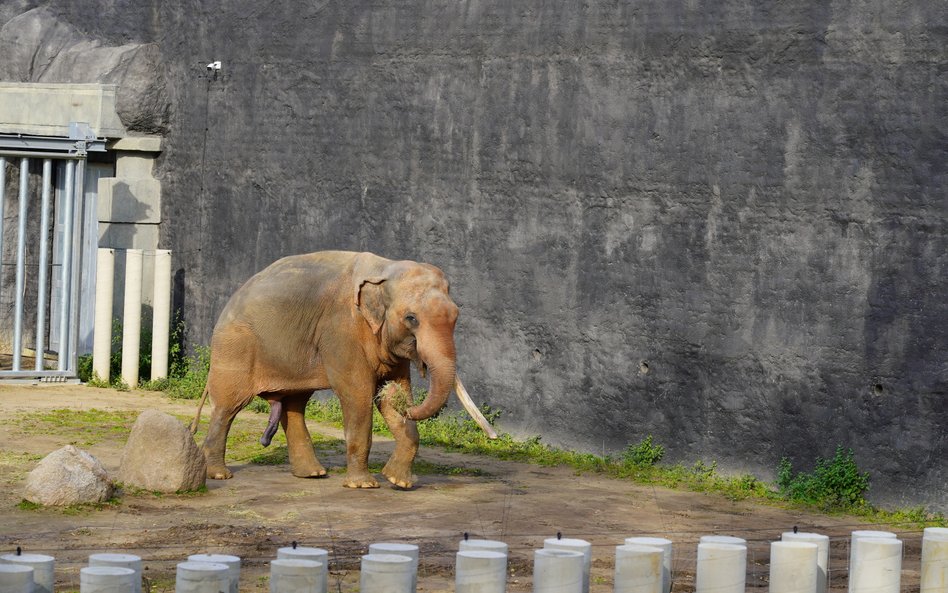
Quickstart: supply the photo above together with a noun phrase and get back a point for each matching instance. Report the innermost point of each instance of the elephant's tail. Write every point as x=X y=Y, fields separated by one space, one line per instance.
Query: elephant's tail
x=197 y=416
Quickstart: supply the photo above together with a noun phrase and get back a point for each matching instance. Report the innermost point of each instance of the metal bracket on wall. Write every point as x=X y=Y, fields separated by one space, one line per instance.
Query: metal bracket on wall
x=80 y=142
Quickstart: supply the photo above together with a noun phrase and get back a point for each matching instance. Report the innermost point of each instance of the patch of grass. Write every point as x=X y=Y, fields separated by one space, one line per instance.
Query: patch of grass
x=835 y=483
x=84 y=427
x=426 y=468
x=70 y=510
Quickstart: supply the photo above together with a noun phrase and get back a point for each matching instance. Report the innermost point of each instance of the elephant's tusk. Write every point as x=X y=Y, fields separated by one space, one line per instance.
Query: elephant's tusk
x=468 y=404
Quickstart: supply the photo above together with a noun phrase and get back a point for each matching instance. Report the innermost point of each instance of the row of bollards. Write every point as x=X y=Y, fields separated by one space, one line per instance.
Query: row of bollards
x=798 y=564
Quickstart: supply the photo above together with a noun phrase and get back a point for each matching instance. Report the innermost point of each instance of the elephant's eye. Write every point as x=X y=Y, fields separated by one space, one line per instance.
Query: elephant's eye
x=411 y=320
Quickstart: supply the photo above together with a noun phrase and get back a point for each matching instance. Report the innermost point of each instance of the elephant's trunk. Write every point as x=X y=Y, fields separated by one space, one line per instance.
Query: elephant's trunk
x=441 y=366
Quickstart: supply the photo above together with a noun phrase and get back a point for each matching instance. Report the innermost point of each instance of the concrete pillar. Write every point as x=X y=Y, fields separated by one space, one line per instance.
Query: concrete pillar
x=665 y=545
x=386 y=573
x=132 y=321
x=102 y=326
x=722 y=568
x=487 y=545
x=480 y=571
x=877 y=567
x=291 y=575
x=231 y=562
x=44 y=574
x=794 y=567
x=723 y=539
x=573 y=545
x=16 y=578
x=822 y=555
x=639 y=569
x=161 y=315
x=557 y=571
x=123 y=561
x=314 y=554
x=854 y=547
x=106 y=579
x=934 y=571
x=201 y=577
x=400 y=549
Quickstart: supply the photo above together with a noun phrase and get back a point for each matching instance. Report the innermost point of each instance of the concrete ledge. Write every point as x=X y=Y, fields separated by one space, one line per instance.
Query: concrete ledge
x=137 y=144
x=47 y=109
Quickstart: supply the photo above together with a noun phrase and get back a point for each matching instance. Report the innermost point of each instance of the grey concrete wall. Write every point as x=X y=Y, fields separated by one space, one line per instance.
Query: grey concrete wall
x=719 y=223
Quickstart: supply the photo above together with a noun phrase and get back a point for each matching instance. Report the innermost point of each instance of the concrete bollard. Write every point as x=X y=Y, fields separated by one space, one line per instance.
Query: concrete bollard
x=666 y=547
x=123 y=561
x=16 y=578
x=201 y=577
x=399 y=549
x=557 y=571
x=106 y=579
x=639 y=569
x=44 y=573
x=292 y=575
x=231 y=562
x=132 y=317
x=386 y=573
x=822 y=555
x=877 y=567
x=854 y=546
x=794 y=567
x=480 y=571
x=723 y=539
x=487 y=545
x=722 y=568
x=314 y=554
x=934 y=571
x=573 y=545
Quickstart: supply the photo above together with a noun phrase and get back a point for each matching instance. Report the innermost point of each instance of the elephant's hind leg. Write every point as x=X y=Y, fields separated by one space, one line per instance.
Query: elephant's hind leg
x=215 y=442
x=398 y=468
x=299 y=443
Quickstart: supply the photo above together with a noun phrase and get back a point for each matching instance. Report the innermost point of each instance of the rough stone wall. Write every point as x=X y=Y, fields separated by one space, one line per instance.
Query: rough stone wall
x=719 y=223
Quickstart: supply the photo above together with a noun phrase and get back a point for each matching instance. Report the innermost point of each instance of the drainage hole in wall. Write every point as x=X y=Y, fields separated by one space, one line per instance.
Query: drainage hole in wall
x=643 y=368
x=878 y=389
x=537 y=355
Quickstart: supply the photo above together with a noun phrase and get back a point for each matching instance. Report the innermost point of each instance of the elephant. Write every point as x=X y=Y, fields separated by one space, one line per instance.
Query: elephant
x=346 y=321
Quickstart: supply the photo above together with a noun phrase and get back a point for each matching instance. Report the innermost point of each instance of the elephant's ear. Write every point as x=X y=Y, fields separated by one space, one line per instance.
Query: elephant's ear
x=368 y=276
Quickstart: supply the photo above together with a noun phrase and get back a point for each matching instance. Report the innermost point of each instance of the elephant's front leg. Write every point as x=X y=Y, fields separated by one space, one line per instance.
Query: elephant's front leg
x=299 y=443
x=398 y=469
x=357 y=420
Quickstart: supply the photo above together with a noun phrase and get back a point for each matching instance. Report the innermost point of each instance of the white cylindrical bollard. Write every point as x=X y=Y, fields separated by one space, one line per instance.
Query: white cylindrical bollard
x=292 y=575
x=106 y=579
x=102 y=326
x=16 y=578
x=723 y=539
x=573 y=545
x=399 y=549
x=854 y=547
x=557 y=571
x=822 y=555
x=666 y=547
x=794 y=567
x=315 y=554
x=639 y=569
x=722 y=568
x=122 y=560
x=934 y=571
x=44 y=569
x=487 y=545
x=386 y=573
x=201 y=577
x=877 y=567
x=231 y=562
x=480 y=571
x=132 y=317
x=161 y=315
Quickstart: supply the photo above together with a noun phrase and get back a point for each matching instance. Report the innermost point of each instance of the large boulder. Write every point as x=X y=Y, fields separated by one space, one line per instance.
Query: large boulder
x=161 y=456
x=68 y=476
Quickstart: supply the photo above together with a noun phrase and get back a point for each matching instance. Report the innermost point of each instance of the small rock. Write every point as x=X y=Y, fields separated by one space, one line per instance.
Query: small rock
x=161 y=456
x=68 y=476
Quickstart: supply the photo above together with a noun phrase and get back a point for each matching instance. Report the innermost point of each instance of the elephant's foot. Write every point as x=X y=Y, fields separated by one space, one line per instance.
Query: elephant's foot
x=219 y=472
x=315 y=470
x=360 y=480
x=400 y=476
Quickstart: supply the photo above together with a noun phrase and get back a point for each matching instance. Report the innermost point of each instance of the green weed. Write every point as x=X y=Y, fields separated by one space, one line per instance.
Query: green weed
x=835 y=483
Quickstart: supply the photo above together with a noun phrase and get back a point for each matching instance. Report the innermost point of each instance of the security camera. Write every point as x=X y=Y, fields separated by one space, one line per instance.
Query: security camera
x=214 y=66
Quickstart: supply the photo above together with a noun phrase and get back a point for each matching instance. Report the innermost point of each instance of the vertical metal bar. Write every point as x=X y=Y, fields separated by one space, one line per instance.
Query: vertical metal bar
x=43 y=266
x=20 y=264
x=3 y=208
x=69 y=199
x=77 y=231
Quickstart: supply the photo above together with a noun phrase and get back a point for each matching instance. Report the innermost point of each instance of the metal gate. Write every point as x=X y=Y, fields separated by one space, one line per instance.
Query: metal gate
x=39 y=277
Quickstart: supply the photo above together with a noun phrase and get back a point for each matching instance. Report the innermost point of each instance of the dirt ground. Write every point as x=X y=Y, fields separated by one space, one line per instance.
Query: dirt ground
x=263 y=507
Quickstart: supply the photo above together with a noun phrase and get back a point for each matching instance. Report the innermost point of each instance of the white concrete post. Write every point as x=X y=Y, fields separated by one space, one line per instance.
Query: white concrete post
x=44 y=573
x=132 y=320
x=16 y=578
x=121 y=560
x=231 y=562
x=934 y=572
x=666 y=547
x=386 y=573
x=201 y=577
x=557 y=571
x=854 y=547
x=877 y=567
x=486 y=545
x=314 y=554
x=723 y=539
x=573 y=545
x=639 y=569
x=722 y=568
x=400 y=549
x=480 y=571
x=292 y=575
x=106 y=579
x=822 y=555
x=794 y=567
x=161 y=318
x=102 y=327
